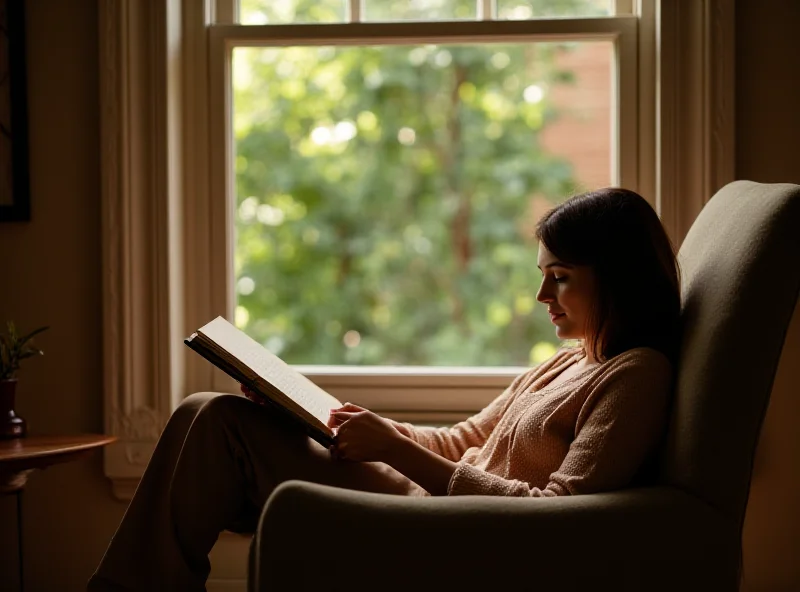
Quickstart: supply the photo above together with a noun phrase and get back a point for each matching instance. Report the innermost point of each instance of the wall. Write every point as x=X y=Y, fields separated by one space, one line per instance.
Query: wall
x=51 y=274
x=767 y=129
x=582 y=131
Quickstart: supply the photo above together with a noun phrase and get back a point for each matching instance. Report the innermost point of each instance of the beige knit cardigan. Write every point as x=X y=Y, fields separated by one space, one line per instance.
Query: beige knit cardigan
x=588 y=434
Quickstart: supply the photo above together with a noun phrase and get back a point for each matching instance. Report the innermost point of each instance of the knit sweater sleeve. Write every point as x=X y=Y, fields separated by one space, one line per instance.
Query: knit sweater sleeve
x=619 y=424
x=453 y=441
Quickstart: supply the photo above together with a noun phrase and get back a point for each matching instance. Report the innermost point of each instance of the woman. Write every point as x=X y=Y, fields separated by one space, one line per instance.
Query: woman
x=584 y=421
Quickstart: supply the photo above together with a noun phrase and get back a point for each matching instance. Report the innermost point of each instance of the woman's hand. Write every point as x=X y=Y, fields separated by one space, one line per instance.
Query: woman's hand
x=335 y=419
x=367 y=437
x=362 y=435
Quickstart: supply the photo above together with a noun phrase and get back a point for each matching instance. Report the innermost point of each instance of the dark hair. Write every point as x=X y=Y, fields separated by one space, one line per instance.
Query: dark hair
x=619 y=236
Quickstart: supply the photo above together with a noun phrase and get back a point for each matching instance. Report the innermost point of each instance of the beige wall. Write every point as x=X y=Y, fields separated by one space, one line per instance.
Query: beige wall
x=768 y=128
x=51 y=274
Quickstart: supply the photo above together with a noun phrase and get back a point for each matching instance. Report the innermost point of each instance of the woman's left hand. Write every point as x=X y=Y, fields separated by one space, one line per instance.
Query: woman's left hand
x=364 y=436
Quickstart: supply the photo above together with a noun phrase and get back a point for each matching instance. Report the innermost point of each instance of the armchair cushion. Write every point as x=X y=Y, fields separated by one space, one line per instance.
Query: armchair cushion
x=316 y=536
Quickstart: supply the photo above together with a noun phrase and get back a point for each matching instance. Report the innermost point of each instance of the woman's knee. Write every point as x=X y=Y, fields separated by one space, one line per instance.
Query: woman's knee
x=204 y=406
x=196 y=401
x=238 y=412
x=191 y=405
x=187 y=410
x=221 y=408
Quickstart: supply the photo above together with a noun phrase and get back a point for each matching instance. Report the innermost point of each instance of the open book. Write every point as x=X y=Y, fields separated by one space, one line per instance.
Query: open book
x=247 y=361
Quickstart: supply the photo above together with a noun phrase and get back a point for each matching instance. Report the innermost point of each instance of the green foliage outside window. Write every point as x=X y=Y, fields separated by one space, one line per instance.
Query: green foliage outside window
x=384 y=202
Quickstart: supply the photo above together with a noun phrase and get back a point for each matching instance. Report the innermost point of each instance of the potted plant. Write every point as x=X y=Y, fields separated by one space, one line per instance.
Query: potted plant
x=14 y=348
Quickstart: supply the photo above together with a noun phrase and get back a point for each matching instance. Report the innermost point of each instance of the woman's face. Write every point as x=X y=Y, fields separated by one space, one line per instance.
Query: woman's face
x=568 y=292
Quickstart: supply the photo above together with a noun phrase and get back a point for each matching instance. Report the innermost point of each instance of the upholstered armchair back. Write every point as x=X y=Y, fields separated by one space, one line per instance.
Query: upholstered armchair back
x=741 y=277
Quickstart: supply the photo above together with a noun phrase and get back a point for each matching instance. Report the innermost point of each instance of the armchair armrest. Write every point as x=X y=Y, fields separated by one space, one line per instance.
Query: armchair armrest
x=316 y=536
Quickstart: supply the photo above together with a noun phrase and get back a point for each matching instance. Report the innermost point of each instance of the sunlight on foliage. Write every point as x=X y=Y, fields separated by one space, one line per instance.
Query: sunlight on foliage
x=541 y=352
x=382 y=197
x=241 y=317
x=526 y=9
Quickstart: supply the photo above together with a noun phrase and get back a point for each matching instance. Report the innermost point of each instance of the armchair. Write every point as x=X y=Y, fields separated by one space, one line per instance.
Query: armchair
x=741 y=279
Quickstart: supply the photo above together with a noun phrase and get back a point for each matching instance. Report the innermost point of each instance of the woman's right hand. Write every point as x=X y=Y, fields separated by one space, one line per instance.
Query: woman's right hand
x=334 y=422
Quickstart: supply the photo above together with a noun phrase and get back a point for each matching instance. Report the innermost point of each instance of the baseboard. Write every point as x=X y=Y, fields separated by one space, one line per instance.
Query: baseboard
x=214 y=585
x=229 y=563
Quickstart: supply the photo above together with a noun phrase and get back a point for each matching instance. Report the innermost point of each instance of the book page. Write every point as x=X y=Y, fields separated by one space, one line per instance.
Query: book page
x=271 y=368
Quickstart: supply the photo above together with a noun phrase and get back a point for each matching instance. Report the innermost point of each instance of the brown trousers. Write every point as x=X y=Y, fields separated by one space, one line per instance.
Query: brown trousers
x=215 y=464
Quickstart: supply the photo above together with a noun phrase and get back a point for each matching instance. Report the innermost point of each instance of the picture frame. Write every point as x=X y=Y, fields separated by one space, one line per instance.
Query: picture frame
x=14 y=175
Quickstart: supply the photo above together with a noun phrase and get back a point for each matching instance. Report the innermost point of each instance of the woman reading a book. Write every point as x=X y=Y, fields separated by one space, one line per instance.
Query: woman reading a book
x=587 y=420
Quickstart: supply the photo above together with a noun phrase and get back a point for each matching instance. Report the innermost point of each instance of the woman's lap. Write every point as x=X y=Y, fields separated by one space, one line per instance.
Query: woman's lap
x=277 y=451
x=216 y=463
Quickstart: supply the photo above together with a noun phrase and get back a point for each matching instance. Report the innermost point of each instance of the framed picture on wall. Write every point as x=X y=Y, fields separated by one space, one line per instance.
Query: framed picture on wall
x=14 y=183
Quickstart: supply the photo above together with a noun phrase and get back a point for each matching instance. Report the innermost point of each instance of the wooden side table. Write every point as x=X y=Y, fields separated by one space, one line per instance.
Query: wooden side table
x=21 y=456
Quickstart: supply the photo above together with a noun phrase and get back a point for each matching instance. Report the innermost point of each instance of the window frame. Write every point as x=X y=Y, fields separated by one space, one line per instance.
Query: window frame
x=160 y=237
x=413 y=389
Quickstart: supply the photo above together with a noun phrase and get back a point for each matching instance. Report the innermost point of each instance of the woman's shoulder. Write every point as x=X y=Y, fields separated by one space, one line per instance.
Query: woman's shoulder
x=646 y=355
x=637 y=356
x=641 y=360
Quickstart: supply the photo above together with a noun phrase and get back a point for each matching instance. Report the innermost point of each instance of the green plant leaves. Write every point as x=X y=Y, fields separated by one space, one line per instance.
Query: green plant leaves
x=14 y=348
x=31 y=335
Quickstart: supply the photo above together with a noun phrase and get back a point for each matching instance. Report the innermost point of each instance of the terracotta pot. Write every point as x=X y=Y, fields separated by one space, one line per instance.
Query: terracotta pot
x=11 y=425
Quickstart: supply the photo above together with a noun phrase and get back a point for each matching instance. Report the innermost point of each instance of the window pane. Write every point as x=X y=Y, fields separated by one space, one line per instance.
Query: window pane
x=419 y=10
x=387 y=196
x=527 y=9
x=274 y=12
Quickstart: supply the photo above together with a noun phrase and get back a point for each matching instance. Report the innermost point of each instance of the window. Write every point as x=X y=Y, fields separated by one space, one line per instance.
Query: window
x=382 y=180
x=264 y=12
x=185 y=98
x=386 y=196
